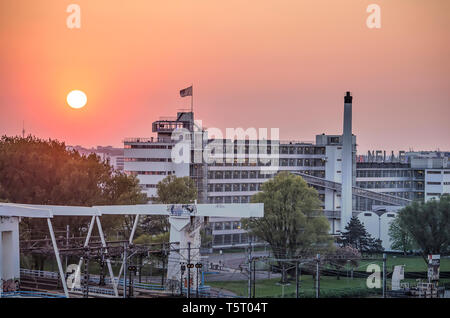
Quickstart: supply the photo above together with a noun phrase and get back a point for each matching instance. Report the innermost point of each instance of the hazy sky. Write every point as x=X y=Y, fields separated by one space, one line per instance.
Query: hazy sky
x=253 y=63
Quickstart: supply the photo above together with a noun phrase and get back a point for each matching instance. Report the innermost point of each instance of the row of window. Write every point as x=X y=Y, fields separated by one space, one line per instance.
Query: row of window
x=438 y=172
x=230 y=199
x=365 y=204
x=219 y=226
x=302 y=150
x=230 y=239
x=303 y=162
x=256 y=174
x=148 y=159
x=360 y=173
x=244 y=162
x=388 y=184
x=383 y=173
x=147 y=146
x=153 y=173
x=148 y=186
x=254 y=149
x=389 y=215
x=229 y=187
x=237 y=174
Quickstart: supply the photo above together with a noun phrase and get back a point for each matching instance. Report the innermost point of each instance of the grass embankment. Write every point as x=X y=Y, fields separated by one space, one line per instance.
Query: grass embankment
x=330 y=286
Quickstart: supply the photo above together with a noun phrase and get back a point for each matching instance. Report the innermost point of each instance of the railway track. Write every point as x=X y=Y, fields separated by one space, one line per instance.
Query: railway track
x=44 y=282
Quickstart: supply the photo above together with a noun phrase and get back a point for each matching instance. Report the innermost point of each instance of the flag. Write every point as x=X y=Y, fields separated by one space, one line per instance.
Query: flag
x=186 y=92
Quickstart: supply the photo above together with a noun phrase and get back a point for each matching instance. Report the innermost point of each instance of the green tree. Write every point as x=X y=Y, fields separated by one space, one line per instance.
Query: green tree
x=176 y=190
x=400 y=239
x=121 y=189
x=356 y=236
x=428 y=224
x=37 y=171
x=292 y=224
x=170 y=190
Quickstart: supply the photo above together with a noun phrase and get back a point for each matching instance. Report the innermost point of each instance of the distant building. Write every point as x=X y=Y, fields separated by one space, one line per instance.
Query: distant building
x=420 y=177
x=113 y=155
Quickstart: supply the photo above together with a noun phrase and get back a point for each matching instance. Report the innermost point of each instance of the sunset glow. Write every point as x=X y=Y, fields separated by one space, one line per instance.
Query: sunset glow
x=277 y=64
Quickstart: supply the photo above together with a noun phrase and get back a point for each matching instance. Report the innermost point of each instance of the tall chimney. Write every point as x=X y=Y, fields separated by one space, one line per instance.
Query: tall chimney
x=347 y=164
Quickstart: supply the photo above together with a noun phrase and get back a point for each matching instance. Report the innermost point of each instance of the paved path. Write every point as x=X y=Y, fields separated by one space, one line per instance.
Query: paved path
x=233 y=260
x=235 y=267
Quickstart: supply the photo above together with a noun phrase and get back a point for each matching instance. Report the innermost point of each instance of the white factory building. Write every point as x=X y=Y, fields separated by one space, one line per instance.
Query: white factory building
x=373 y=189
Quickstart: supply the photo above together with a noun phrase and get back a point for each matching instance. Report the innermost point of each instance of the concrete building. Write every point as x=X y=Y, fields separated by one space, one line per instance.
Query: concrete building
x=347 y=184
x=418 y=176
x=150 y=159
x=235 y=181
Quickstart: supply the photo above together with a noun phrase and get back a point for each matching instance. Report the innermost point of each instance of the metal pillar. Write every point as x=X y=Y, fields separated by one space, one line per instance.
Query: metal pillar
x=183 y=268
x=86 y=273
x=67 y=243
x=86 y=242
x=108 y=261
x=130 y=240
x=124 y=263
x=249 y=268
x=254 y=278
x=318 y=277
x=196 y=265
x=58 y=260
x=296 y=280
x=189 y=271
x=384 y=275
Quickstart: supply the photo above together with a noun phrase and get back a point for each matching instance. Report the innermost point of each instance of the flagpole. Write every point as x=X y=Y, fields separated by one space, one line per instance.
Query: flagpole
x=192 y=100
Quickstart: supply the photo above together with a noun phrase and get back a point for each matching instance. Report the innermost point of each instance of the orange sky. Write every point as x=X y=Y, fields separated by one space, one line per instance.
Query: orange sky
x=254 y=63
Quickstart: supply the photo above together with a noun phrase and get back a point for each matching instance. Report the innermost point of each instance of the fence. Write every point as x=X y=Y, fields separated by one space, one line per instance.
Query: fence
x=30 y=294
x=329 y=277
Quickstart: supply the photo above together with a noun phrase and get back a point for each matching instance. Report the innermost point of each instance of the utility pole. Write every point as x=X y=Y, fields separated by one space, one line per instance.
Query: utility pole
x=249 y=268
x=140 y=269
x=86 y=273
x=125 y=270
x=189 y=271
x=254 y=278
x=163 y=263
x=130 y=285
x=384 y=275
x=318 y=276
x=197 y=265
x=296 y=279
x=67 y=242
x=183 y=268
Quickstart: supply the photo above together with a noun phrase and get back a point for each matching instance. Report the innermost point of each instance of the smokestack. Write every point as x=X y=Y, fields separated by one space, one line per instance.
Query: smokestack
x=347 y=164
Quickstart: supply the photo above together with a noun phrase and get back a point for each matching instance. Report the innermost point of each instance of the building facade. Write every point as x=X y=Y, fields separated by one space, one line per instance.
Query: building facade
x=416 y=176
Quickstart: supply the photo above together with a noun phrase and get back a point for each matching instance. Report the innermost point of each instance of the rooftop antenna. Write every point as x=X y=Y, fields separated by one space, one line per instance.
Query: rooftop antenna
x=23 y=129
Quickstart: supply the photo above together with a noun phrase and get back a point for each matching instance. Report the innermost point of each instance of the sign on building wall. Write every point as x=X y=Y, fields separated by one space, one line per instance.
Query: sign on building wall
x=380 y=156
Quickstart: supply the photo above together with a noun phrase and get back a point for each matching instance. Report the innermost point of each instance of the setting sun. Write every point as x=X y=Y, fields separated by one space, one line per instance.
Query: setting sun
x=76 y=99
